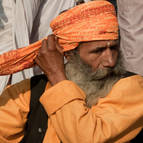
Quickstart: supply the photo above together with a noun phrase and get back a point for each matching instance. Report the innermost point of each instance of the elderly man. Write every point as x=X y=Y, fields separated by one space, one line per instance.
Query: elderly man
x=70 y=108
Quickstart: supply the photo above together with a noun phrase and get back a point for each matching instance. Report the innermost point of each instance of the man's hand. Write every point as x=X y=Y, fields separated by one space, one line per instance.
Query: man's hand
x=50 y=59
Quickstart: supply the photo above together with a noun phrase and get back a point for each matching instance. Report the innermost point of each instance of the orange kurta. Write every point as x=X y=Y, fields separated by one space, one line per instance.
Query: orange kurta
x=117 y=118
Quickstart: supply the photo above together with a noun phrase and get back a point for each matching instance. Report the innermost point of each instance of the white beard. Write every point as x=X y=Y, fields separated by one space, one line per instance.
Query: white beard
x=95 y=85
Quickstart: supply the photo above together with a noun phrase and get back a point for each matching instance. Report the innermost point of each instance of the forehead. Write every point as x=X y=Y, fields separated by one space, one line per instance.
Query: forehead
x=99 y=44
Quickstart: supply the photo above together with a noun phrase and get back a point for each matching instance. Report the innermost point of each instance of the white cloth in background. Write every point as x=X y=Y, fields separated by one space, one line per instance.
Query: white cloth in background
x=6 y=33
x=23 y=22
x=130 y=17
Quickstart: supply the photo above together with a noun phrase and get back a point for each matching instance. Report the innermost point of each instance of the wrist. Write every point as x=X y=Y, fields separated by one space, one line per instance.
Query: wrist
x=56 y=78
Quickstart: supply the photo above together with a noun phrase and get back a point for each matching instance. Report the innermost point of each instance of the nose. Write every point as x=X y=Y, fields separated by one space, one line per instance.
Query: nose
x=109 y=58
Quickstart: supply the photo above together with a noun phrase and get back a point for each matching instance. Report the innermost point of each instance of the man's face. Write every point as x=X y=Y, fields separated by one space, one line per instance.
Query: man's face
x=96 y=60
x=95 y=67
x=99 y=54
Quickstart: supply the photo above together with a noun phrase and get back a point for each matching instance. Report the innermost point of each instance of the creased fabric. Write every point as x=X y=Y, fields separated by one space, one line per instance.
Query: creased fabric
x=19 y=59
x=85 y=22
x=131 y=30
x=117 y=118
x=23 y=22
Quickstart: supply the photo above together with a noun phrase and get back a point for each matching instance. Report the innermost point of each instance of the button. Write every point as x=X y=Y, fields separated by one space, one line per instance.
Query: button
x=39 y=130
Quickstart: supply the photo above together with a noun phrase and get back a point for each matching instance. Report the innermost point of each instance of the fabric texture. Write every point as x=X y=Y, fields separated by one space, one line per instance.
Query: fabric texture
x=23 y=22
x=131 y=30
x=36 y=124
x=85 y=22
x=117 y=118
x=6 y=34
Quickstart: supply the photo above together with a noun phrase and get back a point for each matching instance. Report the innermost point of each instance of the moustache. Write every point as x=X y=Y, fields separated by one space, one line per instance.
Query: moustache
x=102 y=73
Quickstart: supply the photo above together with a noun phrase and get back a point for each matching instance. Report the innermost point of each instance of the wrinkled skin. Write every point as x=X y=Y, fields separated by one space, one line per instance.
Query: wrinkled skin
x=97 y=54
x=50 y=60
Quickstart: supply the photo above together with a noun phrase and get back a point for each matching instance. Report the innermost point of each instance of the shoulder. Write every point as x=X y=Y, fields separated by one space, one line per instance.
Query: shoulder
x=17 y=94
x=130 y=84
x=22 y=86
x=126 y=91
x=26 y=85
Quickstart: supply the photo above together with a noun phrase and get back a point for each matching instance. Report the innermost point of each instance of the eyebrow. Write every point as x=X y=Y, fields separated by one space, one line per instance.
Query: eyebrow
x=101 y=48
x=97 y=49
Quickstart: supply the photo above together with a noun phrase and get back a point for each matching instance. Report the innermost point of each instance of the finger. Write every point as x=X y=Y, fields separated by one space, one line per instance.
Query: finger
x=59 y=48
x=43 y=48
x=51 y=42
x=36 y=61
x=44 y=44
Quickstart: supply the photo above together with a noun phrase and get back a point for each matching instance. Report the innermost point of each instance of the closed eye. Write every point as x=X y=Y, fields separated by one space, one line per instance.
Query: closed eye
x=98 y=50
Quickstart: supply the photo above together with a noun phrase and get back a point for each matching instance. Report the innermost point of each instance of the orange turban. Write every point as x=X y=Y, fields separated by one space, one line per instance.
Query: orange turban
x=95 y=20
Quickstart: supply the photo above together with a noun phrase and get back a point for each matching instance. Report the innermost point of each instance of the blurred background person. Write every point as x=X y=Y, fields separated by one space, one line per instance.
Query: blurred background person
x=130 y=20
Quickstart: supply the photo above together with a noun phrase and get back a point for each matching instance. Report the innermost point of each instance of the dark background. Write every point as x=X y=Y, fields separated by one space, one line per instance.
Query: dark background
x=114 y=3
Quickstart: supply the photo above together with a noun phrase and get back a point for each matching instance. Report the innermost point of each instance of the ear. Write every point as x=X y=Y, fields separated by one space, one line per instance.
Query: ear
x=67 y=55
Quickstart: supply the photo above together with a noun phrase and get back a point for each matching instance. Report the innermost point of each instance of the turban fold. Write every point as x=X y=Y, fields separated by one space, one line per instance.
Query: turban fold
x=94 y=20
